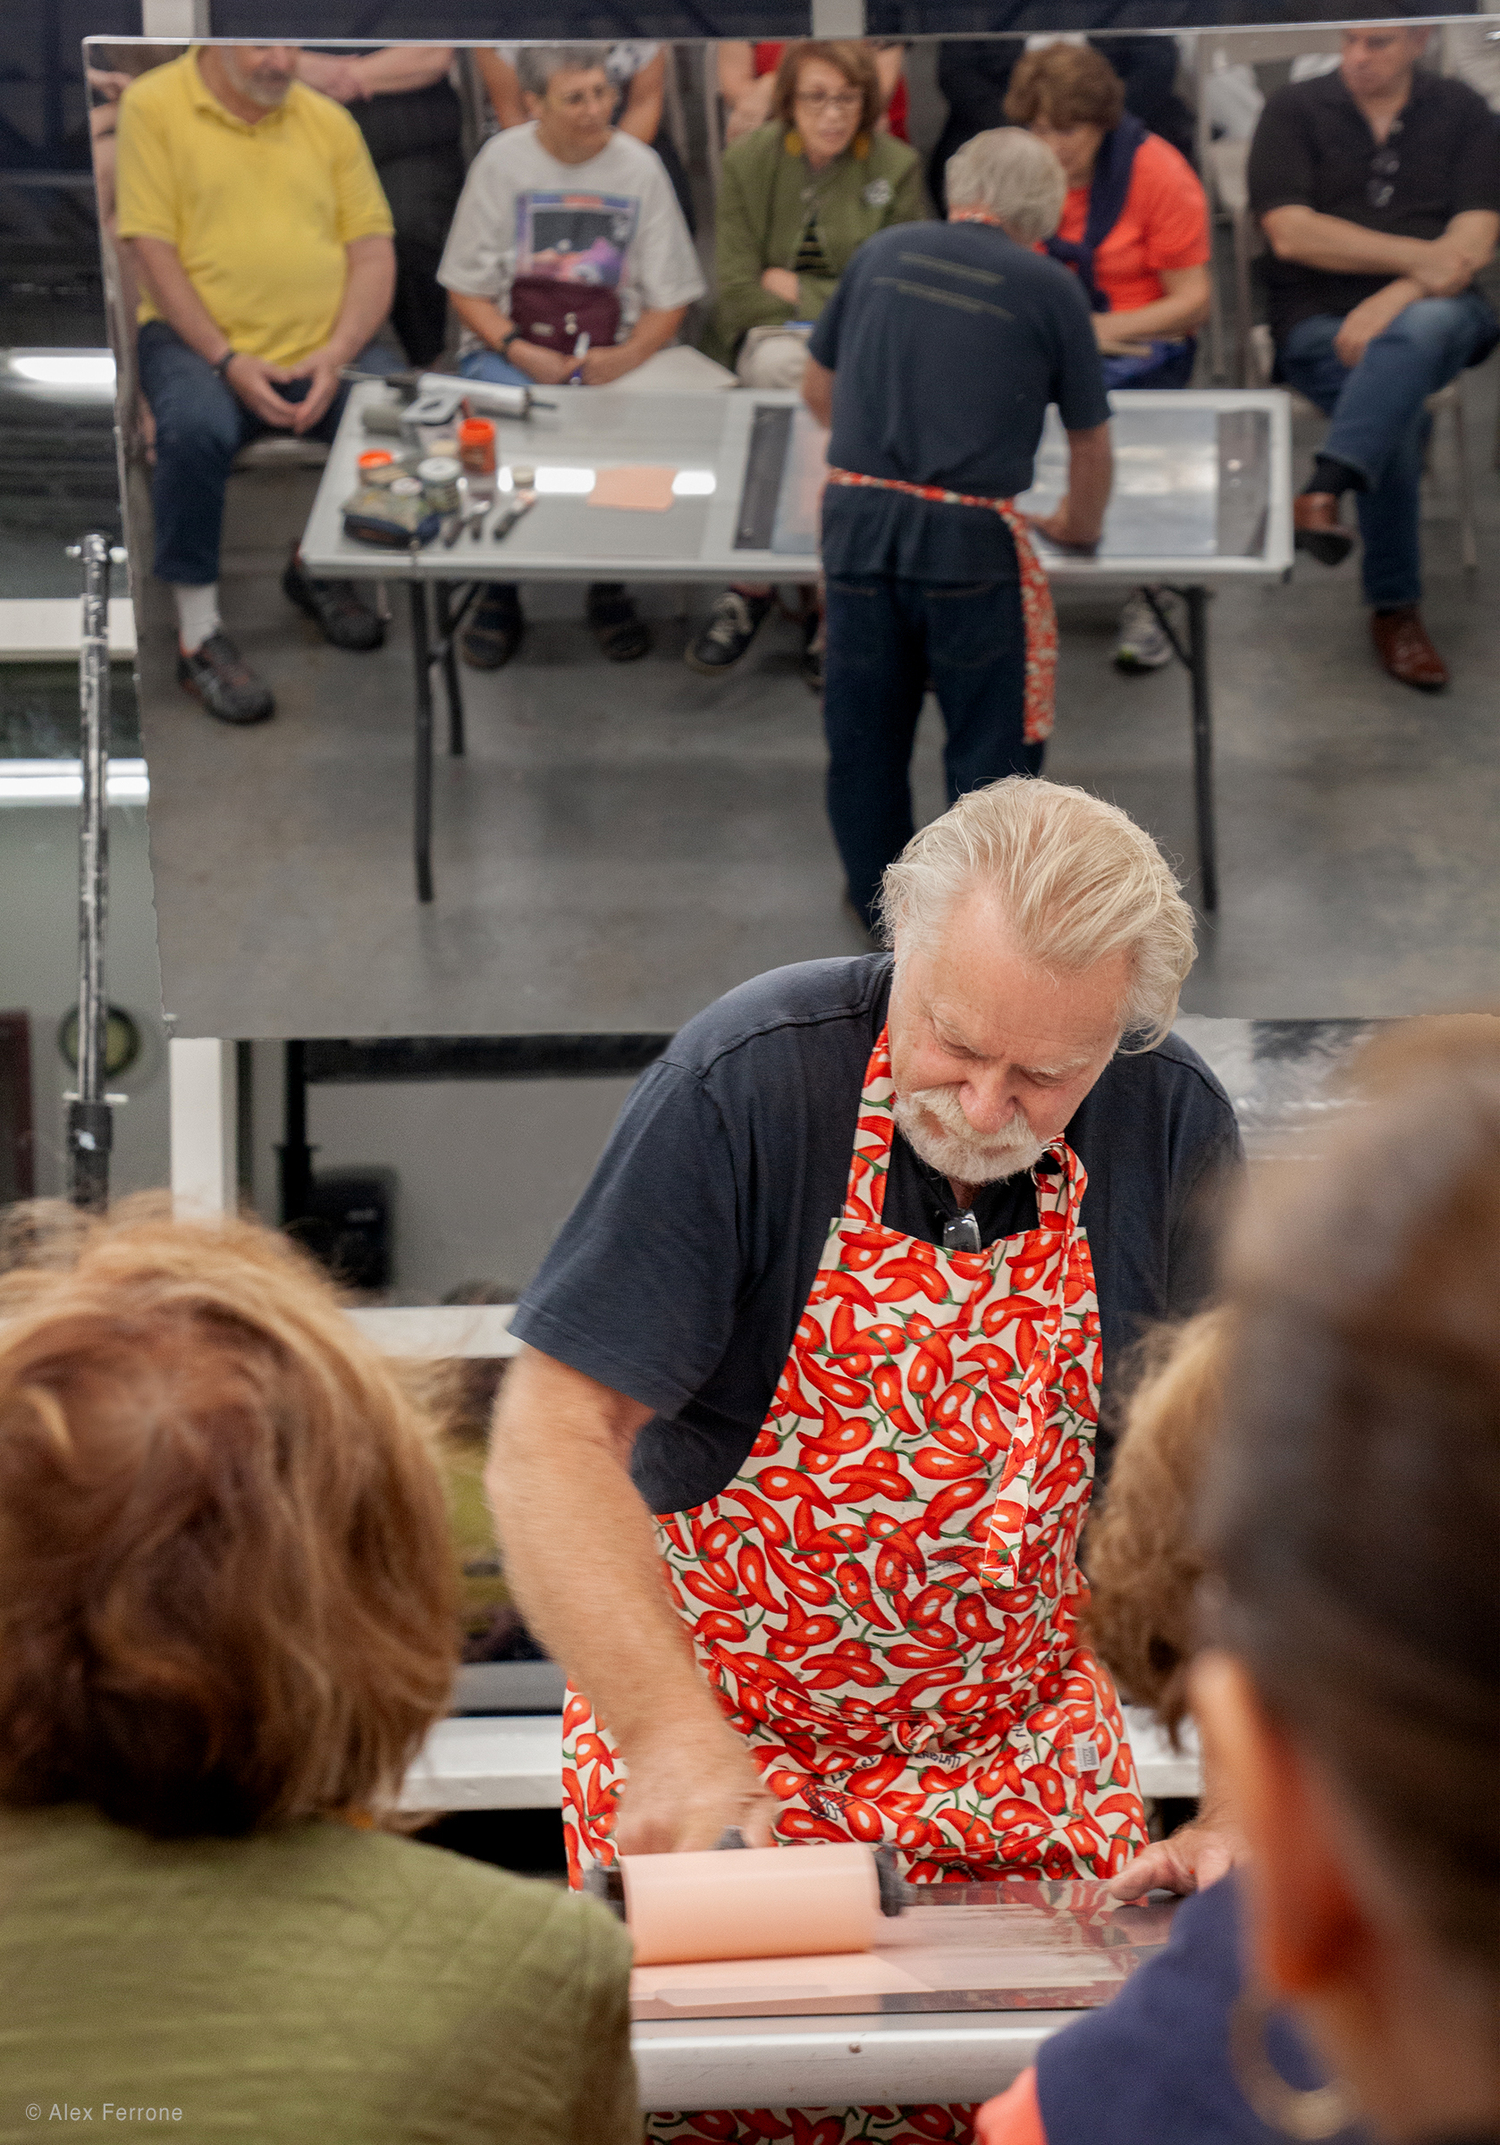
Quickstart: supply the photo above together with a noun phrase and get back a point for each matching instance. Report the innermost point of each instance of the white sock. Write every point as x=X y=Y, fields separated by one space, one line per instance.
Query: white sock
x=197 y=614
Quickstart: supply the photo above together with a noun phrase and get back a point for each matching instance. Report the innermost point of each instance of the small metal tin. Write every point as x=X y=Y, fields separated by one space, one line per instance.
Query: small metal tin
x=440 y=474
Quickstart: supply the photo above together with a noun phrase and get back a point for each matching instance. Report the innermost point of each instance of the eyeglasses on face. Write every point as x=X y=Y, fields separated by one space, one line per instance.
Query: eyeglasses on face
x=824 y=100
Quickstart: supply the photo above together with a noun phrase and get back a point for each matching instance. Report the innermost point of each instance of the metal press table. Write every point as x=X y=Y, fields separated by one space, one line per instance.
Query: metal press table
x=1202 y=497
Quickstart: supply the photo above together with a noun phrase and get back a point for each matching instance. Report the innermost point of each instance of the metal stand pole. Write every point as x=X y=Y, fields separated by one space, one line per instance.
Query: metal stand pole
x=1203 y=746
x=294 y=1154
x=90 y=1121
x=422 y=783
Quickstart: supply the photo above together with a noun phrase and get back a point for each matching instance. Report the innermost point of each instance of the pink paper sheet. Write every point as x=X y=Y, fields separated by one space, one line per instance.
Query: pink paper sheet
x=641 y=487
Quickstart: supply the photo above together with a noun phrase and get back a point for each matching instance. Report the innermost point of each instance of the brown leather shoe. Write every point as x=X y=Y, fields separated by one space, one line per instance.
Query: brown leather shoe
x=1316 y=528
x=1405 y=651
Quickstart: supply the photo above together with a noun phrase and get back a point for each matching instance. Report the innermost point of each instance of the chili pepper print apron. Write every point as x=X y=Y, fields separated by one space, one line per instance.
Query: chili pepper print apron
x=885 y=1599
x=1038 y=614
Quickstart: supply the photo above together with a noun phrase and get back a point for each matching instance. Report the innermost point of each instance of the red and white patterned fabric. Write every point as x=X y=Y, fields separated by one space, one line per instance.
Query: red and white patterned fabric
x=1038 y=616
x=885 y=1599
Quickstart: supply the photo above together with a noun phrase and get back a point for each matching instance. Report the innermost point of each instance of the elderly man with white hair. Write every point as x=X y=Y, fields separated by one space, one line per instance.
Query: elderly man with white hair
x=934 y=363
x=791 y=1470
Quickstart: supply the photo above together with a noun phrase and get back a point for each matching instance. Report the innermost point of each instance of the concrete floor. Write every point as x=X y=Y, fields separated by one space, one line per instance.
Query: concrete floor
x=623 y=842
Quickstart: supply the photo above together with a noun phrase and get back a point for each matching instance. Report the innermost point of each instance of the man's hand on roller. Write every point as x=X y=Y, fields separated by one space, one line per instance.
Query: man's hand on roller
x=685 y=1787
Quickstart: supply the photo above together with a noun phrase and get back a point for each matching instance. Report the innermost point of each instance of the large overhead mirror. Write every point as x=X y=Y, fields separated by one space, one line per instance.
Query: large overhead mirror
x=437 y=739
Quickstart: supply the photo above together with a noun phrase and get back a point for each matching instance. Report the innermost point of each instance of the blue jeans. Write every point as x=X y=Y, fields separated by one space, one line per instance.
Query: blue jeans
x=201 y=425
x=1379 y=425
x=885 y=638
x=490 y=365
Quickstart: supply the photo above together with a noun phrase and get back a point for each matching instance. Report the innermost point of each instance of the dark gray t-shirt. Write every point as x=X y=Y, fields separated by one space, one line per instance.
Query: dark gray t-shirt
x=680 y=1275
x=947 y=342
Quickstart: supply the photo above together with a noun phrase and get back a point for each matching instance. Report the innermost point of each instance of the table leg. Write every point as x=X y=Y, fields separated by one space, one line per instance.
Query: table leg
x=422 y=772
x=448 y=642
x=1203 y=745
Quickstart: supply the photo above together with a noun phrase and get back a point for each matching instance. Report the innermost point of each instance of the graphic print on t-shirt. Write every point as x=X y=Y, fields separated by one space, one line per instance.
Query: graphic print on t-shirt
x=575 y=238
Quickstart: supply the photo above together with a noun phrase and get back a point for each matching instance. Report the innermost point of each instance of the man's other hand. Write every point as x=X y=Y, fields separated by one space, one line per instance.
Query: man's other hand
x=1062 y=529
x=1444 y=270
x=1197 y=1855
x=549 y=368
x=611 y=361
x=321 y=371
x=254 y=380
x=686 y=1786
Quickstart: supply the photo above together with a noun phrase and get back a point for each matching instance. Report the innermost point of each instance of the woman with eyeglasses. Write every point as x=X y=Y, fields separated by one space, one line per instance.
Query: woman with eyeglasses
x=797 y=200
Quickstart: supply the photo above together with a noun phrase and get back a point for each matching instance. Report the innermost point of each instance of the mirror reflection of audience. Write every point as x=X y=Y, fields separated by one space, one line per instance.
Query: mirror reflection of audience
x=1351 y=1706
x=568 y=263
x=747 y=84
x=1135 y=231
x=1378 y=188
x=263 y=245
x=409 y=114
x=974 y=75
x=638 y=70
x=229 y=1601
x=797 y=199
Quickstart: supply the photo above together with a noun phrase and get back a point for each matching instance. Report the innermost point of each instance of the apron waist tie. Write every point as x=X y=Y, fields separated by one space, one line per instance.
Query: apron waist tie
x=1038 y=616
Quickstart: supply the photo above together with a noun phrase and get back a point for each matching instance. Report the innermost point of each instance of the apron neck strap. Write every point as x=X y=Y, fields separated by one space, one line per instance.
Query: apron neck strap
x=1058 y=1191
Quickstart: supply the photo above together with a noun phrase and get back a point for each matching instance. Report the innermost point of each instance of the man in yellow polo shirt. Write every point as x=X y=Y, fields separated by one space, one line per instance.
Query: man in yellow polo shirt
x=263 y=245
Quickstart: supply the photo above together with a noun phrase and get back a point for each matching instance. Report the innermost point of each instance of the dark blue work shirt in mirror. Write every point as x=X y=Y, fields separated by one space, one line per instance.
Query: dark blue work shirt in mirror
x=681 y=1273
x=947 y=341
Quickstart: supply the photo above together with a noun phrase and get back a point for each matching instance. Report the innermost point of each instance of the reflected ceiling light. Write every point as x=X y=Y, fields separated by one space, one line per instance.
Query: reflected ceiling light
x=64 y=368
x=694 y=483
x=576 y=481
x=61 y=782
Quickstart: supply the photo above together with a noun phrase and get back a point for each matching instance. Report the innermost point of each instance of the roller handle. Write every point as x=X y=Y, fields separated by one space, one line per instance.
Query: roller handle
x=608 y=1885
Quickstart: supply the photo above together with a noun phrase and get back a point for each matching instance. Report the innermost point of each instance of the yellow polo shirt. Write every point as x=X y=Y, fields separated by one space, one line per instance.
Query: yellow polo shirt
x=259 y=213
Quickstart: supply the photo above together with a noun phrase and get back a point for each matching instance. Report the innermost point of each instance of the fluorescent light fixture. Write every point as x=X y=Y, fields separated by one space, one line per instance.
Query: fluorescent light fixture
x=64 y=368
x=694 y=483
x=578 y=482
x=61 y=782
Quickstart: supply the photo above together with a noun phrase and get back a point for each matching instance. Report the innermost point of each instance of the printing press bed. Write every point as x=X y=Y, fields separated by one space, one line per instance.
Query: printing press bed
x=952 y=2005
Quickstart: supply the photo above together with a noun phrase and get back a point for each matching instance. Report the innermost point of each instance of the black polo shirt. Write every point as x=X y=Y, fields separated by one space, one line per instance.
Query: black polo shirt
x=680 y=1275
x=947 y=341
x=1314 y=149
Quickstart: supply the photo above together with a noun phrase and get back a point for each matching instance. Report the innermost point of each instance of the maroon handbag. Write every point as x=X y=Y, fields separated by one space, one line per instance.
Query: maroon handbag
x=554 y=314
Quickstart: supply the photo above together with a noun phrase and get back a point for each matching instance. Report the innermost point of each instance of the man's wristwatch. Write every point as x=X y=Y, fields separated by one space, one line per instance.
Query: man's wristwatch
x=222 y=368
x=514 y=336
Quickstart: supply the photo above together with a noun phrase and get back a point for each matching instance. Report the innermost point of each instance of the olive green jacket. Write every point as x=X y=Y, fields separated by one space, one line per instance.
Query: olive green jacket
x=765 y=195
x=311 y=1986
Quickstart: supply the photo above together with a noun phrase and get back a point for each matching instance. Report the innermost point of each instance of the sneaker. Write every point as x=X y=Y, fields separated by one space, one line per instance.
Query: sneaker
x=218 y=675
x=735 y=621
x=492 y=632
x=616 y=624
x=1142 y=644
x=336 y=608
x=814 y=646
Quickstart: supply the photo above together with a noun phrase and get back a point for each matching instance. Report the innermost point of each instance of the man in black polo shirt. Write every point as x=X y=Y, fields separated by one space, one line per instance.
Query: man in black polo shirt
x=934 y=361
x=864 y=1243
x=1378 y=188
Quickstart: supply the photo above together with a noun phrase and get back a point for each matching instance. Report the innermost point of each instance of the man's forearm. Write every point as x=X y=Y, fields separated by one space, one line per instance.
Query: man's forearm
x=398 y=67
x=655 y=328
x=580 y=1554
x=1091 y=470
x=1329 y=242
x=160 y=269
x=368 y=289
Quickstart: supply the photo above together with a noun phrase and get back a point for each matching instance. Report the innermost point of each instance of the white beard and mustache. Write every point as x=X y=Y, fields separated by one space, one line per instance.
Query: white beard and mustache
x=935 y=1127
